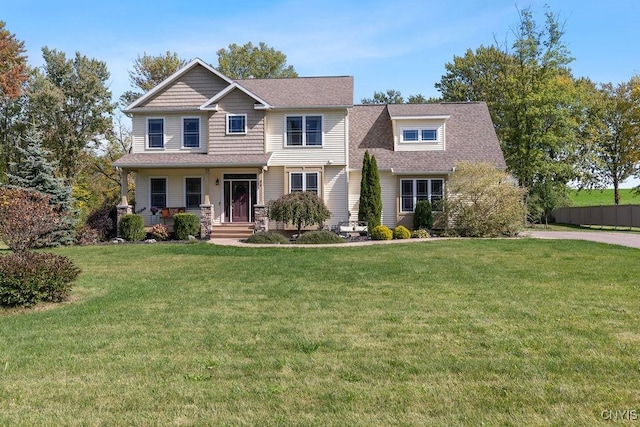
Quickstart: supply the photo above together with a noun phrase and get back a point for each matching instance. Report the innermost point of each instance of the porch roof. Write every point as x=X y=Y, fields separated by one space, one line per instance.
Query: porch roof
x=191 y=160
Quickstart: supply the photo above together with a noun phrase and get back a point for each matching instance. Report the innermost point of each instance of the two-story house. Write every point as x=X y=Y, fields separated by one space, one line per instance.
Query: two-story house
x=222 y=148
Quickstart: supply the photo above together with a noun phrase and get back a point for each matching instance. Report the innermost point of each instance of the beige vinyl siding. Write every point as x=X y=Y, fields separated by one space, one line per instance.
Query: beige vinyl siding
x=172 y=133
x=389 y=192
x=236 y=102
x=354 y=193
x=334 y=140
x=191 y=90
x=438 y=145
x=335 y=193
x=273 y=182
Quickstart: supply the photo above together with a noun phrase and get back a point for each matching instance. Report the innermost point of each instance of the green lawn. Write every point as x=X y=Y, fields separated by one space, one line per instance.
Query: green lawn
x=449 y=332
x=603 y=197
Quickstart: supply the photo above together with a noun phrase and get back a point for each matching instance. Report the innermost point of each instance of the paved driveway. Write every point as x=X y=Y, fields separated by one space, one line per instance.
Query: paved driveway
x=612 y=237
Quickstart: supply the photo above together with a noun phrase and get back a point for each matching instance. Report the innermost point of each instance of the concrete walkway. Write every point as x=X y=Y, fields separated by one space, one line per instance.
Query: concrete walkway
x=622 y=238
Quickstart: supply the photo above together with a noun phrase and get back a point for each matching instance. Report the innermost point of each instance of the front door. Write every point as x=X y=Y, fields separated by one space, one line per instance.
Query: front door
x=240 y=201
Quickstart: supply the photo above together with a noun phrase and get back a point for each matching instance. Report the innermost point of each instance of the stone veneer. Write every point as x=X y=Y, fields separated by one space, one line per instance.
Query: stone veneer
x=206 y=221
x=122 y=210
x=260 y=218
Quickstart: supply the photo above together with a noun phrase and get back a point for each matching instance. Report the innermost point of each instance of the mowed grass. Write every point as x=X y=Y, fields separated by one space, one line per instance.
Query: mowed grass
x=449 y=332
x=603 y=197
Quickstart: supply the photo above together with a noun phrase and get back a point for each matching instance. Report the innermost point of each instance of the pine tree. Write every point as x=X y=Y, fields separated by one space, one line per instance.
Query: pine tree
x=365 y=189
x=34 y=171
x=375 y=216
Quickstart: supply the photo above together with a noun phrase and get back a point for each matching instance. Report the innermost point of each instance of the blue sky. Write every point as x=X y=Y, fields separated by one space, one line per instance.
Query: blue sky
x=401 y=45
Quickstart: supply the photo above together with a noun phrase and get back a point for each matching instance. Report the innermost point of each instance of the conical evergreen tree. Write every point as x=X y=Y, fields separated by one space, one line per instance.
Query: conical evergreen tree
x=34 y=171
x=365 y=189
x=375 y=215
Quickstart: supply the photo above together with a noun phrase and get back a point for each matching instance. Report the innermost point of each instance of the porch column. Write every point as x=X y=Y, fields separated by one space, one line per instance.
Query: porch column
x=206 y=208
x=261 y=222
x=207 y=187
x=124 y=208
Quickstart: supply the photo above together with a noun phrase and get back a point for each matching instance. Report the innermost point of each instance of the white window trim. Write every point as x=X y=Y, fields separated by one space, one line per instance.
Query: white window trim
x=415 y=192
x=420 y=129
x=182 y=119
x=166 y=192
x=304 y=132
x=184 y=190
x=226 y=120
x=164 y=133
x=304 y=180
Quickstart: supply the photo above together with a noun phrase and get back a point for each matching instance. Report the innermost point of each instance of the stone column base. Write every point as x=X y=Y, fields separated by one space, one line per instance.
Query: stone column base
x=206 y=221
x=261 y=222
x=122 y=210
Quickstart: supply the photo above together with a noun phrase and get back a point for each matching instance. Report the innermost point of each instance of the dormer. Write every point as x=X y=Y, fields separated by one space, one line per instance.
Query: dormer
x=415 y=129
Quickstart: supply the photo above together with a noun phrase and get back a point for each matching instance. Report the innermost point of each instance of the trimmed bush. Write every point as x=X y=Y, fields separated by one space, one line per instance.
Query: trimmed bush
x=268 y=237
x=159 y=232
x=420 y=234
x=103 y=220
x=185 y=225
x=423 y=216
x=132 y=227
x=87 y=236
x=27 y=278
x=401 y=232
x=381 y=232
x=319 y=237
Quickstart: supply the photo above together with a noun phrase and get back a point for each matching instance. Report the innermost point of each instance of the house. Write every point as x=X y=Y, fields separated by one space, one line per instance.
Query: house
x=222 y=148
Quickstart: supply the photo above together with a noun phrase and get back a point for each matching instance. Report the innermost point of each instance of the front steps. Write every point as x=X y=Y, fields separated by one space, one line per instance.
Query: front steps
x=232 y=230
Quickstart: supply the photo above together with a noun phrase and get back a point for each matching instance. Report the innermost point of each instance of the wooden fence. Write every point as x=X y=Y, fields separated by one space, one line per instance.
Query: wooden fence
x=613 y=216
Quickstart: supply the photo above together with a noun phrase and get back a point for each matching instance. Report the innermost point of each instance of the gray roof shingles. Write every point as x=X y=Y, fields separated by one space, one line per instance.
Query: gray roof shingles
x=469 y=134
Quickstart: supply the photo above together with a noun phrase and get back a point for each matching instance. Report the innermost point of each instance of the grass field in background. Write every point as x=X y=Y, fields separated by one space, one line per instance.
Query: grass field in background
x=447 y=332
x=603 y=197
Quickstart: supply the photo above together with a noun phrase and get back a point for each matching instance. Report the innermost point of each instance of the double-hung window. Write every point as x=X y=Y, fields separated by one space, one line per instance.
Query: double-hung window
x=420 y=135
x=304 y=131
x=193 y=192
x=236 y=124
x=304 y=181
x=191 y=132
x=414 y=190
x=155 y=133
x=158 y=192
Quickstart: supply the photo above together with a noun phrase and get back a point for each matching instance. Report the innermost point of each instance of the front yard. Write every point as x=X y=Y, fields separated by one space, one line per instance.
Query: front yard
x=457 y=332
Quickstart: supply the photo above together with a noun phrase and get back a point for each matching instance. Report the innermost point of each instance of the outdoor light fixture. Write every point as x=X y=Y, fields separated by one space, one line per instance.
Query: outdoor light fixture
x=217 y=181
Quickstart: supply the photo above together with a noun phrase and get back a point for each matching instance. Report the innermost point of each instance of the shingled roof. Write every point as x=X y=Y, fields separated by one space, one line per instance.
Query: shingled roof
x=301 y=92
x=470 y=136
x=178 y=160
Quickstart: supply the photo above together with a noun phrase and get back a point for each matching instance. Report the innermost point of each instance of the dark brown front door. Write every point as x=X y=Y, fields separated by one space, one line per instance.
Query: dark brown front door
x=240 y=201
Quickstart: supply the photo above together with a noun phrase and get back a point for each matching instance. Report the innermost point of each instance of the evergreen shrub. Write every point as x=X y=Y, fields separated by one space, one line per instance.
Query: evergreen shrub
x=132 y=227
x=381 y=232
x=401 y=232
x=268 y=237
x=423 y=216
x=185 y=225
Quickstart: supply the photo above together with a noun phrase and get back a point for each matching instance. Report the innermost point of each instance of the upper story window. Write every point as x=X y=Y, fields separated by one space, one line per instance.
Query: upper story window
x=414 y=190
x=419 y=134
x=304 y=131
x=191 y=132
x=158 y=192
x=236 y=124
x=155 y=133
x=193 y=192
x=304 y=181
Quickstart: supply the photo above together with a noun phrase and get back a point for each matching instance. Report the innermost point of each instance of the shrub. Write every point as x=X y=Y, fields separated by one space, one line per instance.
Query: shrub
x=87 y=236
x=185 y=225
x=381 y=232
x=300 y=208
x=27 y=278
x=319 y=237
x=483 y=202
x=401 y=232
x=103 y=220
x=132 y=227
x=267 y=237
x=420 y=234
x=159 y=232
x=422 y=216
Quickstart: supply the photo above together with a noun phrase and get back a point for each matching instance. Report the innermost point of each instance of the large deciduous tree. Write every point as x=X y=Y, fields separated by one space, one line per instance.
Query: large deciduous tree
x=148 y=71
x=260 y=62
x=612 y=134
x=72 y=105
x=391 y=96
x=532 y=97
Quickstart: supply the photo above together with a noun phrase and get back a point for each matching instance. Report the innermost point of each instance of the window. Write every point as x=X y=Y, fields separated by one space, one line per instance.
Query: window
x=158 y=192
x=304 y=181
x=191 y=132
x=236 y=124
x=420 y=135
x=304 y=131
x=414 y=190
x=155 y=133
x=193 y=192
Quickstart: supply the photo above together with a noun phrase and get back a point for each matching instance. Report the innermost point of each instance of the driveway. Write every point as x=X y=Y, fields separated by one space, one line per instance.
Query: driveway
x=612 y=237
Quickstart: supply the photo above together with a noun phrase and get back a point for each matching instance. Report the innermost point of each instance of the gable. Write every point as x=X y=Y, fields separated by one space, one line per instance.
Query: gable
x=191 y=89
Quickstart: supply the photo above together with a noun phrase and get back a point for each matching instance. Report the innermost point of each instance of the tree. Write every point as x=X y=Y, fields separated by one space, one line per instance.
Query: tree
x=612 y=134
x=391 y=96
x=370 y=206
x=149 y=71
x=300 y=208
x=72 y=105
x=534 y=102
x=249 y=61
x=483 y=202
x=13 y=64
